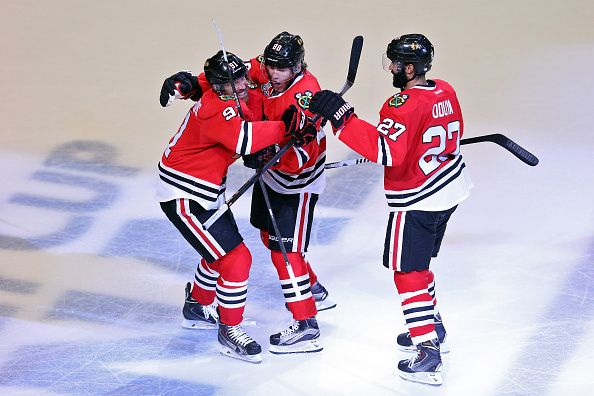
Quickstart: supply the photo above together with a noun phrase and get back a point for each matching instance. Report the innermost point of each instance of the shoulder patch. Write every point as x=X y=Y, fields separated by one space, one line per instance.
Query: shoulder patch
x=303 y=99
x=260 y=58
x=398 y=100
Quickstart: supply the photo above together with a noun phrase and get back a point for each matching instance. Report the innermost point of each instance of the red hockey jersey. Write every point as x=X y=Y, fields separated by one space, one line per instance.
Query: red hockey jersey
x=418 y=141
x=301 y=169
x=211 y=137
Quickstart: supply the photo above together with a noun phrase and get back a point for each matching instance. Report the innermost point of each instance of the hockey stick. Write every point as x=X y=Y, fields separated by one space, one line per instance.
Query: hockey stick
x=279 y=238
x=521 y=153
x=350 y=80
x=229 y=73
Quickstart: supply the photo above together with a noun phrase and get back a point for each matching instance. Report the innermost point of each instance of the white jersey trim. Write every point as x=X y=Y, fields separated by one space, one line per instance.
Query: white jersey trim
x=442 y=191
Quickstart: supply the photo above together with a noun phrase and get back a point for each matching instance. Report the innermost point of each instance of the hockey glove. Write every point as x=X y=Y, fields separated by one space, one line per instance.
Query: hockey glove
x=299 y=126
x=181 y=85
x=333 y=107
x=260 y=158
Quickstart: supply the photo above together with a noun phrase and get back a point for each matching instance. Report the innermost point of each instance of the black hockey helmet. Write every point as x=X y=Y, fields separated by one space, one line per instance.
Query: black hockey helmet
x=412 y=48
x=284 y=51
x=215 y=68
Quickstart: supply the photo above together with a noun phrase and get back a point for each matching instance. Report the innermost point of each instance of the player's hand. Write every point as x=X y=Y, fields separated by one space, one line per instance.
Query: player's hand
x=181 y=85
x=299 y=126
x=333 y=107
x=260 y=158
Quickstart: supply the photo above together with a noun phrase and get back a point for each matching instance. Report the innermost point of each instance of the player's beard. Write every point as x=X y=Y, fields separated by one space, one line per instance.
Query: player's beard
x=399 y=79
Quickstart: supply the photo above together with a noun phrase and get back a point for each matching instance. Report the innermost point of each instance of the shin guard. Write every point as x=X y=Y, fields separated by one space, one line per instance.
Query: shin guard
x=205 y=282
x=231 y=288
x=417 y=304
x=300 y=301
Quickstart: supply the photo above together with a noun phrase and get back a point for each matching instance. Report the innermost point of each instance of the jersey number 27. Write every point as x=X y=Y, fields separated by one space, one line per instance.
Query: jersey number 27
x=436 y=154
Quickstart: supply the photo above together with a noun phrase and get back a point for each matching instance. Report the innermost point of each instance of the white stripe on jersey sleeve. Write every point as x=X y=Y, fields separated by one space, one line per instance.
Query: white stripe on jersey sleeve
x=240 y=138
x=244 y=138
x=248 y=146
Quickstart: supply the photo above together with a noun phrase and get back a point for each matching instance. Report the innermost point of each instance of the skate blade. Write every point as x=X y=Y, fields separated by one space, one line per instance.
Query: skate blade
x=434 y=379
x=198 y=325
x=325 y=305
x=202 y=325
x=443 y=348
x=247 y=358
x=300 y=347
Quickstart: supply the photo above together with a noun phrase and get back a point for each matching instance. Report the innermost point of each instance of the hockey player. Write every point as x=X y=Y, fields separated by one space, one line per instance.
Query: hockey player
x=417 y=139
x=193 y=170
x=293 y=185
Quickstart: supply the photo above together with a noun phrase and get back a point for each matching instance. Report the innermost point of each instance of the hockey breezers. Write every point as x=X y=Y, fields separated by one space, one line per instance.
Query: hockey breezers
x=350 y=80
x=521 y=153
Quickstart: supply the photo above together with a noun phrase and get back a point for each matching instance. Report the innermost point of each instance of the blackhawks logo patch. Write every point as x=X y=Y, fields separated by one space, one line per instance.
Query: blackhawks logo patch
x=398 y=100
x=303 y=99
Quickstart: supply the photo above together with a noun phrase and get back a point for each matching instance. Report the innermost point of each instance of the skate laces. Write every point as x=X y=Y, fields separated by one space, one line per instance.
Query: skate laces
x=414 y=359
x=210 y=311
x=237 y=334
x=293 y=327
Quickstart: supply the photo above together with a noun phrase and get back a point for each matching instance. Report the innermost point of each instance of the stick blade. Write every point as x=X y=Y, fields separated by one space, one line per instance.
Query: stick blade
x=355 y=57
x=520 y=152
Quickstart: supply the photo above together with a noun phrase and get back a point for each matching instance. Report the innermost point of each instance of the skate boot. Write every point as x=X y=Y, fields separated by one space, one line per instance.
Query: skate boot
x=302 y=336
x=237 y=344
x=425 y=366
x=197 y=316
x=405 y=343
x=320 y=295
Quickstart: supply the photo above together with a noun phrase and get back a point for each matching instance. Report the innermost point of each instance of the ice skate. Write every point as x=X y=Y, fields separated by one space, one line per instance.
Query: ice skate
x=301 y=336
x=320 y=295
x=425 y=366
x=237 y=344
x=197 y=316
x=405 y=343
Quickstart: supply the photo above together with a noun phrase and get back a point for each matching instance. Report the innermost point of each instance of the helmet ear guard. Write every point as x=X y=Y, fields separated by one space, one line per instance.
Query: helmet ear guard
x=415 y=49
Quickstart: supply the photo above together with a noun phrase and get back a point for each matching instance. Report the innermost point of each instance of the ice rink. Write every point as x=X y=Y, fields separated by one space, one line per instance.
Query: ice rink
x=92 y=274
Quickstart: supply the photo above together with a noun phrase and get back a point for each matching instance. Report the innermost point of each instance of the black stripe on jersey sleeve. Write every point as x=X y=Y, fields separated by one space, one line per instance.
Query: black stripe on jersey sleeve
x=245 y=138
x=384 y=155
x=303 y=155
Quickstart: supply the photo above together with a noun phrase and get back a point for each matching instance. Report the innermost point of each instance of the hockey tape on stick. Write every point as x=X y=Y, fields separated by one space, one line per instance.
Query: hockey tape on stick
x=349 y=162
x=520 y=152
x=352 y=73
